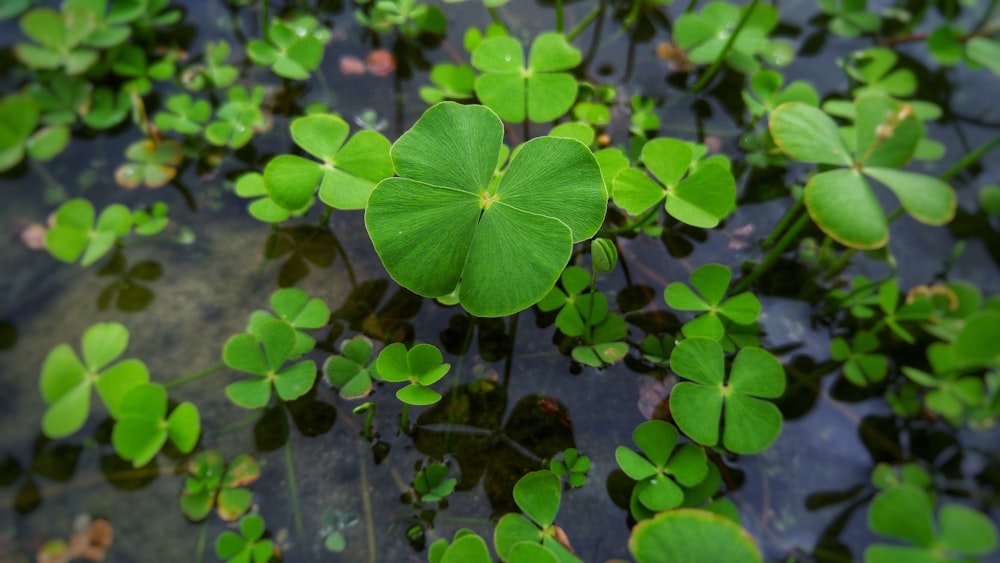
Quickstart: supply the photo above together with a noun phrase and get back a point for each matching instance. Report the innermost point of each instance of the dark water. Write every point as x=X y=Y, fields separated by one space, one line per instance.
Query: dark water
x=208 y=288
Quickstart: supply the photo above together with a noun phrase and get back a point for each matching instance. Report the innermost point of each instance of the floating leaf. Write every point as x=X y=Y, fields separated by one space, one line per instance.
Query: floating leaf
x=153 y=164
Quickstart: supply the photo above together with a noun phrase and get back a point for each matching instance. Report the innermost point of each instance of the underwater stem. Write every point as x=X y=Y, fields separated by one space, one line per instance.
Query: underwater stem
x=293 y=490
x=638 y=221
x=785 y=221
x=194 y=376
x=560 y=16
x=591 y=15
x=717 y=63
x=772 y=255
x=971 y=158
x=367 y=503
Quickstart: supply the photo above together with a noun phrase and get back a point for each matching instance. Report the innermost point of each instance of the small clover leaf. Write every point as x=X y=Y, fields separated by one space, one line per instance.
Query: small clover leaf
x=295 y=307
x=248 y=546
x=295 y=48
x=712 y=283
x=975 y=344
x=421 y=366
x=537 y=90
x=186 y=116
x=873 y=68
x=432 y=483
x=538 y=495
x=348 y=171
x=446 y=225
x=861 y=366
x=75 y=234
x=66 y=381
x=576 y=310
x=573 y=464
x=905 y=513
x=208 y=486
x=850 y=18
x=766 y=93
x=840 y=201
x=452 y=82
x=704 y=36
x=663 y=470
x=251 y=185
x=151 y=221
x=60 y=99
x=151 y=163
x=703 y=198
x=263 y=354
x=351 y=371
x=61 y=38
x=238 y=118
x=107 y=109
x=708 y=400
x=143 y=426
x=214 y=72
x=19 y=117
x=131 y=62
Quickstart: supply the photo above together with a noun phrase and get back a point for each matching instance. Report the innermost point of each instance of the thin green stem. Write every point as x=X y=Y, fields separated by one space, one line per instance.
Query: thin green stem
x=200 y=546
x=325 y=219
x=590 y=17
x=971 y=158
x=773 y=255
x=512 y=328
x=786 y=220
x=560 y=16
x=194 y=376
x=263 y=21
x=638 y=221
x=367 y=503
x=717 y=63
x=293 y=490
x=690 y=6
x=495 y=16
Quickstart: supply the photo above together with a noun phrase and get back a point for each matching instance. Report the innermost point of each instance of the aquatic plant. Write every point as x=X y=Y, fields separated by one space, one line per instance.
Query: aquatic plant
x=662 y=470
x=263 y=354
x=207 y=485
x=420 y=366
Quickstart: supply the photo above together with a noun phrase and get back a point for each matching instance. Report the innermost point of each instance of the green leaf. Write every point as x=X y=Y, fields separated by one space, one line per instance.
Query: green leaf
x=926 y=198
x=984 y=51
x=418 y=395
x=67 y=414
x=843 y=205
x=700 y=360
x=806 y=133
x=512 y=529
x=691 y=535
x=903 y=513
x=102 y=343
x=117 y=381
x=966 y=531
x=538 y=494
x=250 y=393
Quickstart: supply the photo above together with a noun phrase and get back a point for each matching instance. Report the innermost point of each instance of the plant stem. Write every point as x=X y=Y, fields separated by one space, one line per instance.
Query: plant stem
x=690 y=6
x=325 y=219
x=638 y=221
x=971 y=158
x=560 y=16
x=194 y=376
x=773 y=255
x=495 y=16
x=578 y=29
x=510 y=354
x=785 y=221
x=200 y=546
x=293 y=490
x=367 y=503
x=717 y=63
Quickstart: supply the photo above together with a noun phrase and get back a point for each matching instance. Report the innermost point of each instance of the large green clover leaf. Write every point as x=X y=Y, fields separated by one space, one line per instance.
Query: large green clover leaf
x=840 y=201
x=445 y=225
x=66 y=381
x=347 y=174
x=537 y=90
x=699 y=406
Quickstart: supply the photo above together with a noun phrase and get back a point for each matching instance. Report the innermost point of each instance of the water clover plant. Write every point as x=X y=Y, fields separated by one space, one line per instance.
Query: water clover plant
x=446 y=226
x=263 y=354
x=576 y=309
x=19 y=119
x=185 y=116
x=703 y=198
x=421 y=366
x=662 y=470
x=76 y=236
x=249 y=546
x=352 y=371
x=451 y=82
x=432 y=483
x=263 y=208
x=295 y=307
x=143 y=426
x=466 y=547
x=861 y=364
x=213 y=72
x=749 y=423
x=691 y=535
x=712 y=283
x=207 y=486
x=151 y=163
x=294 y=47
x=66 y=381
x=61 y=40
x=573 y=464
x=840 y=200
x=539 y=90
x=538 y=495
x=334 y=524
x=237 y=118
x=705 y=35
x=347 y=174
x=906 y=513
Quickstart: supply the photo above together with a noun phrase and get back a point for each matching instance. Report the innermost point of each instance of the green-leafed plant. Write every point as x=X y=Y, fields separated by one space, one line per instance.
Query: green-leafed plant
x=60 y=40
x=683 y=535
x=861 y=364
x=334 y=523
x=150 y=163
x=704 y=36
x=78 y=234
x=840 y=200
x=353 y=372
x=849 y=18
x=66 y=381
x=466 y=547
x=710 y=399
x=238 y=118
x=293 y=48
x=537 y=494
x=213 y=72
x=451 y=82
x=573 y=465
x=540 y=90
x=207 y=485
x=446 y=225
x=715 y=311
x=20 y=136
x=185 y=116
x=662 y=470
x=421 y=366
x=699 y=193
x=263 y=354
x=263 y=208
x=346 y=174
x=432 y=483
x=131 y=63
x=249 y=546
x=143 y=426
x=411 y=17
x=295 y=307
